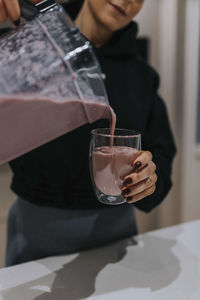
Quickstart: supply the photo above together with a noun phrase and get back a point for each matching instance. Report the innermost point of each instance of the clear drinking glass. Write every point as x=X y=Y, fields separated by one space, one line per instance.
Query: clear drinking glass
x=111 y=159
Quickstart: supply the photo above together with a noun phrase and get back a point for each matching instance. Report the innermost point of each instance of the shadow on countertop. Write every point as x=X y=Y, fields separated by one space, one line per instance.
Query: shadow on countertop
x=151 y=264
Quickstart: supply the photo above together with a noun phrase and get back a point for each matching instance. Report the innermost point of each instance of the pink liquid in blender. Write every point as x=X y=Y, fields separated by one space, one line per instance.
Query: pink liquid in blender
x=27 y=121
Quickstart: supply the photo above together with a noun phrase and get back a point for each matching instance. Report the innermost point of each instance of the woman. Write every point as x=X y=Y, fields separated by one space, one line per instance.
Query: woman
x=56 y=211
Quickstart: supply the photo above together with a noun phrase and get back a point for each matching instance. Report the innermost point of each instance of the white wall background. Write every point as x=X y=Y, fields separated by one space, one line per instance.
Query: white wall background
x=191 y=154
x=173 y=28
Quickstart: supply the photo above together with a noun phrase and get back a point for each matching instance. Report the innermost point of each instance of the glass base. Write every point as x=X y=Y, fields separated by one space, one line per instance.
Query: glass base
x=111 y=200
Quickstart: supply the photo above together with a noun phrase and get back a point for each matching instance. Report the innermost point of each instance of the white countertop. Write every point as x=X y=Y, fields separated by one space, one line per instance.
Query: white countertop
x=159 y=265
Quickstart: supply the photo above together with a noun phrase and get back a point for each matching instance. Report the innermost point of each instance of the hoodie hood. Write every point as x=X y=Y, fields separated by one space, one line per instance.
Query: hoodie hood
x=122 y=44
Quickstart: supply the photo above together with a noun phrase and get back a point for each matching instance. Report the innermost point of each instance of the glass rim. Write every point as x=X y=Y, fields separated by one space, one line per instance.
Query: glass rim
x=133 y=133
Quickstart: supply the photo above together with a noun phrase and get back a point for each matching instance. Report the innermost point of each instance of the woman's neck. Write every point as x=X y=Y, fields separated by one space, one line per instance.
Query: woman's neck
x=95 y=32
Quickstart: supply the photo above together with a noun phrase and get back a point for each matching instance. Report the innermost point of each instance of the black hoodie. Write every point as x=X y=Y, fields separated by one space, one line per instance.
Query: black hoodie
x=57 y=173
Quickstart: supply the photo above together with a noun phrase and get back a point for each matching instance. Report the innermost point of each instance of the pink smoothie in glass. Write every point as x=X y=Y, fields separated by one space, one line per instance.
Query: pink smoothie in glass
x=110 y=166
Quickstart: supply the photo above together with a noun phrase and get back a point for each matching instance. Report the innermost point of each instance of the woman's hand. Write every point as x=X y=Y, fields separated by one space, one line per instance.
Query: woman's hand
x=142 y=182
x=10 y=9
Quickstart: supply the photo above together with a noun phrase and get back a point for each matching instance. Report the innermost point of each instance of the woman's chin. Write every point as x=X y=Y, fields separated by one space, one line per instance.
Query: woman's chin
x=112 y=24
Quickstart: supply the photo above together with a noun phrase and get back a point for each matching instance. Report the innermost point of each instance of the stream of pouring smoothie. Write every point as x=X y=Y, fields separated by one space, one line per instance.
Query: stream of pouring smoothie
x=111 y=164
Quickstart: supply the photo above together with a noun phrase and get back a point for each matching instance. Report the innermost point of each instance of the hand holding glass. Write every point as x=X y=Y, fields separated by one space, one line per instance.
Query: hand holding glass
x=111 y=159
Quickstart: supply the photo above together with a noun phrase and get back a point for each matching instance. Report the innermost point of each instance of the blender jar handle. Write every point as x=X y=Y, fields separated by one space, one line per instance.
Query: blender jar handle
x=29 y=10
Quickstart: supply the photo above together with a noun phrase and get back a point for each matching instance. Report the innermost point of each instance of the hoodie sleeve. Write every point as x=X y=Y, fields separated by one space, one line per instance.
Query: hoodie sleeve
x=158 y=139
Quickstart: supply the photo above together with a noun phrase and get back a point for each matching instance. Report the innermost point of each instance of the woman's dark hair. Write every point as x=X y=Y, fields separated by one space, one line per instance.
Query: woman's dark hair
x=73 y=7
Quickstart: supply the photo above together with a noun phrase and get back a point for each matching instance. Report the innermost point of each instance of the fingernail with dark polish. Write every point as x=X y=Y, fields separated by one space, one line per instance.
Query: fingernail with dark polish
x=129 y=199
x=126 y=191
x=17 y=22
x=136 y=166
x=128 y=181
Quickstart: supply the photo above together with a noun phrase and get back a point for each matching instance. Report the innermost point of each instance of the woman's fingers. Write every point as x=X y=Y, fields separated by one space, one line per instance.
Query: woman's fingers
x=141 y=186
x=142 y=181
x=12 y=9
x=138 y=176
x=142 y=160
x=141 y=195
x=3 y=12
